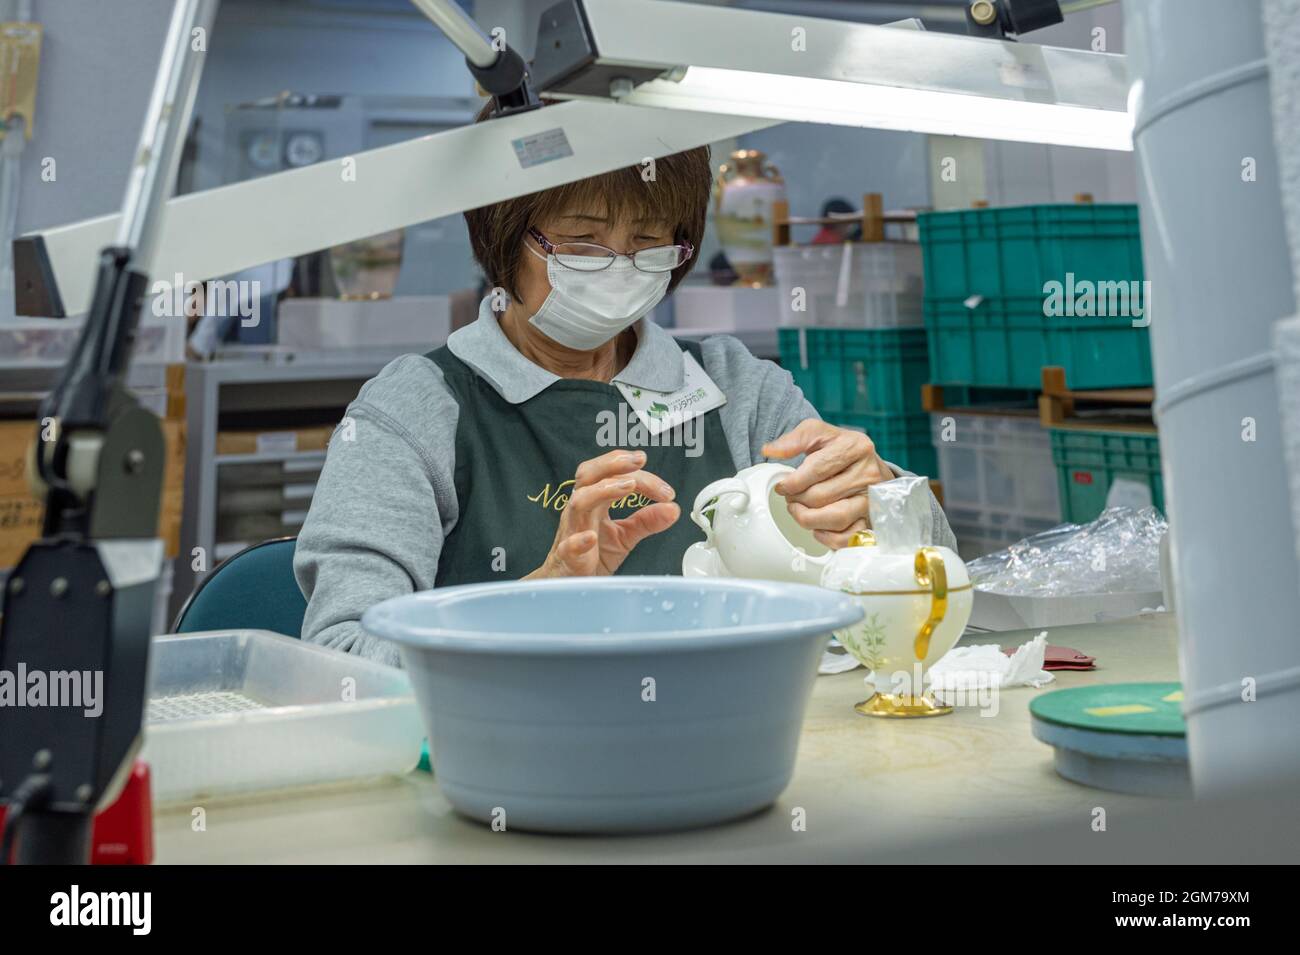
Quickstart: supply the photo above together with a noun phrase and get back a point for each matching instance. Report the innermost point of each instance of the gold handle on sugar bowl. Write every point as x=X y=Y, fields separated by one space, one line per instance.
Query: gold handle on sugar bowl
x=932 y=575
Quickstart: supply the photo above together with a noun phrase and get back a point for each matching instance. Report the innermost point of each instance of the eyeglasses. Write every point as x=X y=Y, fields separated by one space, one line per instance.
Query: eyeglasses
x=587 y=257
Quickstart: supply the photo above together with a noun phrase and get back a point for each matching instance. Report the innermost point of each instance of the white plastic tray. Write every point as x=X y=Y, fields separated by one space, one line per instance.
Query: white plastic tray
x=851 y=285
x=998 y=463
x=48 y=342
x=309 y=323
x=731 y=308
x=981 y=531
x=246 y=710
x=1001 y=612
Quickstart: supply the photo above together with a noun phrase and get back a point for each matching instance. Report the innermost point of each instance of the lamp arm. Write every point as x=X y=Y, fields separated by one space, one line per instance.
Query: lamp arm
x=499 y=70
x=79 y=401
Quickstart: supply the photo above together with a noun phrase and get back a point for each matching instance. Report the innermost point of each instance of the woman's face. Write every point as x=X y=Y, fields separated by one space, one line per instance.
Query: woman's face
x=582 y=224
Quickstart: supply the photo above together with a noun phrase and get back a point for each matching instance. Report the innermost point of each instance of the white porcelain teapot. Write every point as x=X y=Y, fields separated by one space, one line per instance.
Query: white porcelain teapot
x=750 y=532
x=916 y=599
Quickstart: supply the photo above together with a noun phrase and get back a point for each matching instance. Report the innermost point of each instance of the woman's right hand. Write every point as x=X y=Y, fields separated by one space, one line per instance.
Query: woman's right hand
x=590 y=543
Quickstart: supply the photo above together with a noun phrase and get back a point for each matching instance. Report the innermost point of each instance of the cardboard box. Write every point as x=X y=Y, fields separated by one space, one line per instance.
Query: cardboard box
x=176 y=391
x=173 y=493
x=20 y=524
x=21 y=512
x=287 y=441
x=15 y=437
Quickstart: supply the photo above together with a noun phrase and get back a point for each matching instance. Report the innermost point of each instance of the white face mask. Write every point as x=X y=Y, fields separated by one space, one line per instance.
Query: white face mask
x=587 y=309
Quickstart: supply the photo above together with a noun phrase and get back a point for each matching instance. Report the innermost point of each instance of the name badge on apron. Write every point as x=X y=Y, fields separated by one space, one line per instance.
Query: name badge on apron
x=661 y=411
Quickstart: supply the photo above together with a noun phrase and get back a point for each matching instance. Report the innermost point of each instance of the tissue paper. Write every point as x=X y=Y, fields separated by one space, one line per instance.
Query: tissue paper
x=986 y=665
x=835 y=659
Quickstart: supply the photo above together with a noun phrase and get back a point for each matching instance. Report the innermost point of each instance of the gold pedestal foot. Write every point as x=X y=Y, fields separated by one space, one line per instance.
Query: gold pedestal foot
x=901 y=706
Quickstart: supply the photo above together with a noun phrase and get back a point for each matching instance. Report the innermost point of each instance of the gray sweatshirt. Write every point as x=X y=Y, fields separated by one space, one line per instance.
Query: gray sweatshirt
x=386 y=497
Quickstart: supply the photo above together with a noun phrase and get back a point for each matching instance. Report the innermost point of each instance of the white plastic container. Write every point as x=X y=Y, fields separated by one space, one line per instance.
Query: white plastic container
x=851 y=284
x=316 y=323
x=1202 y=88
x=1286 y=342
x=48 y=342
x=1000 y=464
x=246 y=710
x=1003 y=612
x=980 y=531
x=730 y=308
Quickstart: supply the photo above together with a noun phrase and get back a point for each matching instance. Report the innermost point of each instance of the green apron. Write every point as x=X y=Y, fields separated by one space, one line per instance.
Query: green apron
x=515 y=467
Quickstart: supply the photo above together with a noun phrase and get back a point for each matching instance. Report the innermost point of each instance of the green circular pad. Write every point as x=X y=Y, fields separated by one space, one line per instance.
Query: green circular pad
x=1146 y=709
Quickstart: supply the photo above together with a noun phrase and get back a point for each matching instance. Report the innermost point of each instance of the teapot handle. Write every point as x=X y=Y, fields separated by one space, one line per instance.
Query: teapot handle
x=705 y=503
x=933 y=576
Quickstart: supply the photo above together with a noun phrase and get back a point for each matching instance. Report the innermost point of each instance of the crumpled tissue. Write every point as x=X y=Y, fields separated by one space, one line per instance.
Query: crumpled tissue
x=987 y=666
x=976 y=667
x=835 y=659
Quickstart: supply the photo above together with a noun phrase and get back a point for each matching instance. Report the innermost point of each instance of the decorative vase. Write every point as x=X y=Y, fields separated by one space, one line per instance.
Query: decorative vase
x=744 y=192
x=367 y=268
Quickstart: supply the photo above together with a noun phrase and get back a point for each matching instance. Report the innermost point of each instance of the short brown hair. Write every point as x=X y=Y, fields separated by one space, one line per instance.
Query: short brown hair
x=679 y=195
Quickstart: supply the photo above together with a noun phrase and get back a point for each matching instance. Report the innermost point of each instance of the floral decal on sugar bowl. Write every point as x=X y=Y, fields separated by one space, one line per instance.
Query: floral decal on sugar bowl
x=865 y=640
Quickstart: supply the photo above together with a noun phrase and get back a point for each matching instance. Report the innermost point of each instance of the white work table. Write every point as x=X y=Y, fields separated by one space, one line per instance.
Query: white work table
x=877 y=786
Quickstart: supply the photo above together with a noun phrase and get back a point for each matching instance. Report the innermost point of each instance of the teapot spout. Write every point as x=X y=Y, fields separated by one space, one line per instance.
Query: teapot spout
x=702 y=560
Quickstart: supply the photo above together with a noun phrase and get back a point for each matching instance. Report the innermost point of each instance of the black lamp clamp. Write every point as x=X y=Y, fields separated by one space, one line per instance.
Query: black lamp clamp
x=1005 y=19
x=499 y=70
x=506 y=81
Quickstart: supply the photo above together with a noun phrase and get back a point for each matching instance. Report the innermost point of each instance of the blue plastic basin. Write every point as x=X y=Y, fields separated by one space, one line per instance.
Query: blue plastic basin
x=612 y=704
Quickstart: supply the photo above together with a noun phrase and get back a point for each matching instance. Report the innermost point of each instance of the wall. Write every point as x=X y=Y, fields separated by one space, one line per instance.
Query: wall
x=260 y=48
x=385 y=51
x=1020 y=173
x=823 y=161
x=90 y=102
x=97 y=64
x=820 y=162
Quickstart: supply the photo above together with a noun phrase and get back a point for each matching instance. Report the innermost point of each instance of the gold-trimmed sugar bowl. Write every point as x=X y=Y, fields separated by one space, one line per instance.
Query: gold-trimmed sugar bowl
x=916 y=603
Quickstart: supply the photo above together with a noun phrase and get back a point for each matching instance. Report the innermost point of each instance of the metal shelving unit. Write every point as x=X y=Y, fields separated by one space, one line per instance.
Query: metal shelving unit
x=258 y=383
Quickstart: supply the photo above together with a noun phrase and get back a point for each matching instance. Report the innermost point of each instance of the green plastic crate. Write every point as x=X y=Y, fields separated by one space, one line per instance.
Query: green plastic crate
x=1002 y=399
x=1088 y=462
x=1013 y=251
x=1005 y=343
x=902 y=439
x=857 y=370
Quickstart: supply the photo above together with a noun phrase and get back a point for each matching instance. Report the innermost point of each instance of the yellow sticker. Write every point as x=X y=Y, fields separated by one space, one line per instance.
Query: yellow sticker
x=20 y=63
x=1123 y=710
x=1174 y=697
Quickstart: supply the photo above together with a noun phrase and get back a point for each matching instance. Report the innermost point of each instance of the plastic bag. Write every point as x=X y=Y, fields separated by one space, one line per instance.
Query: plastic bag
x=901 y=516
x=1119 y=552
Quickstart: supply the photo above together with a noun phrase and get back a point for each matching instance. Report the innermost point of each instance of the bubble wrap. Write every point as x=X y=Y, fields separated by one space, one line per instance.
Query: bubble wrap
x=1119 y=552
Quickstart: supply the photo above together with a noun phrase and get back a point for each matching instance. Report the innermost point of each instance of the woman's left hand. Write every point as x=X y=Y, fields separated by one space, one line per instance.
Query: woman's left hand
x=828 y=491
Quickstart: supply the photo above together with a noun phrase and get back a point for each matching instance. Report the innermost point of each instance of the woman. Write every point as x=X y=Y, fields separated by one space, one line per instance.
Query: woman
x=492 y=458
